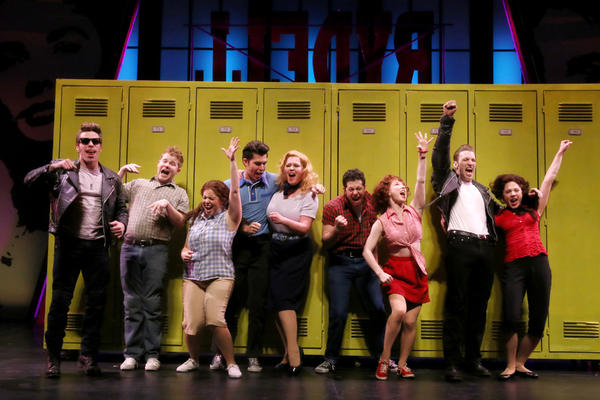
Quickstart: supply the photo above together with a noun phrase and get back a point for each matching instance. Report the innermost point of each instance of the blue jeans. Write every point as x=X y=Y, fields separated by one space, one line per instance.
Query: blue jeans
x=343 y=272
x=72 y=256
x=143 y=270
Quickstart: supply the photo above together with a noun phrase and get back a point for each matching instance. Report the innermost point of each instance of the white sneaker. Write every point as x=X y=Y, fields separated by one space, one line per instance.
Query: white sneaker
x=217 y=362
x=392 y=366
x=129 y=364
x=234 y=371
x=189 y=365
x=152 y=364
x=254 y=365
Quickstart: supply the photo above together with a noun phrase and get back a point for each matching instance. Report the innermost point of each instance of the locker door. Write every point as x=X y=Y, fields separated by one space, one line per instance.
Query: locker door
x=369 y=136
x=369 y=139
x=423 y=112
x=572 y=221
x=506 y=141
x=159 y=118
x=221 y=114
x=294 y=119
x=101 y=105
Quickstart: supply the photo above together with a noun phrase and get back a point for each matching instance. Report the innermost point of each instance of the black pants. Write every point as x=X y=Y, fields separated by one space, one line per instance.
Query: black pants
x=469 y=268
x=251 y=260
x=72 y=256
x=529 y=275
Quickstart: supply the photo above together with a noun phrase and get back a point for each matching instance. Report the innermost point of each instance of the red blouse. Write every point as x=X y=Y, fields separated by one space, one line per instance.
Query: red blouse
x=522 y=234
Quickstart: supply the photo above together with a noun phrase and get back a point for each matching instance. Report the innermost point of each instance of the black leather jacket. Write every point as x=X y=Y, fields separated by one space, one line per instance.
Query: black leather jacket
x=446 y=181
x=64 y=188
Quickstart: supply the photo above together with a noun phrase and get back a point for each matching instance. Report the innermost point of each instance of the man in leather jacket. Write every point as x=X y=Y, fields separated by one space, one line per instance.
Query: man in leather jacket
x=88 y=211
x=468 y=211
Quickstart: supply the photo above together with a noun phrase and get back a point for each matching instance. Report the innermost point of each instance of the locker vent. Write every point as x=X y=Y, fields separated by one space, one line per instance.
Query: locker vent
x=432 y=329
x=158 y=109
x=576 y=112
x=91 y=107
x=74 y=322
x=360 y=327
x=368 y=112
x=431 y=112
x=226 y=110
x=497 y=329
x=165 y=324
x=302 y=327
x=581 y=330
x=506 y=113
x=293 y=110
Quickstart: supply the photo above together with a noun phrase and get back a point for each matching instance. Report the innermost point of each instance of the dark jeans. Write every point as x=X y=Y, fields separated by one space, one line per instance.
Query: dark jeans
x=72 y=256
x=343 y=272
x=251 y=260
x=529 y=275
x=470 y=274
x=143 y=270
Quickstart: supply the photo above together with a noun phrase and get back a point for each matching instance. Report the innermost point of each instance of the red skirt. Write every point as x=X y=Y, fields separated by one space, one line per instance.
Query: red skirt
x=408 y=281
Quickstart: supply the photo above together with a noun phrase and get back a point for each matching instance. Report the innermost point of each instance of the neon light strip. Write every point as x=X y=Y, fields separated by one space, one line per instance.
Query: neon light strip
x=135 y=13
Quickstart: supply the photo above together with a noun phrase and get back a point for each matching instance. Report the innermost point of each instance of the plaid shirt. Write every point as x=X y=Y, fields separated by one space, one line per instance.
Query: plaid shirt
x=210 y=240
x=140 y=193
x=356 y=233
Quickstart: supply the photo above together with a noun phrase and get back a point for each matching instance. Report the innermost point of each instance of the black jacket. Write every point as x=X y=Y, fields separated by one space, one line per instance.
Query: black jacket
x=446 y=181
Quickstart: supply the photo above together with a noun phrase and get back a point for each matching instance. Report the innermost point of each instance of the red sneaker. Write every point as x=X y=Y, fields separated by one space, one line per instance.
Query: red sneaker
x=405 y=372
x=382 y=370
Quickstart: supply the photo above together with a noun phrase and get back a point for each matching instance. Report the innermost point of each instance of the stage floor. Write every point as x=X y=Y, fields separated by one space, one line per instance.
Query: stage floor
x=22 y=364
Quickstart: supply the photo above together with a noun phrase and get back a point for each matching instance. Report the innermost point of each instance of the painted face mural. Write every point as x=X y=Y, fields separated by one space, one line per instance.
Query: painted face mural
x=40 y=41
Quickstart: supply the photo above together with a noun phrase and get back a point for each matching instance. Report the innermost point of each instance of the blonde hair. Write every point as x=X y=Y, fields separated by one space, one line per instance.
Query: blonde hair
x=309 y=177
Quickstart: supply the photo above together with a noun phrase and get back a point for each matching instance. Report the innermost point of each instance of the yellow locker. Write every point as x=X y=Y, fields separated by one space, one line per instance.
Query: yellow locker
x=295 y=119
x=368 y=131
x=103 y=105
x=423 y=111
x=159 y=118
x=506 y=141
x=222 y=113
x=572 y=220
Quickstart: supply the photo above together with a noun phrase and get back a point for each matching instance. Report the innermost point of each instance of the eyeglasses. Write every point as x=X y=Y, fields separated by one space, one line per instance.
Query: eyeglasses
x=86 y=141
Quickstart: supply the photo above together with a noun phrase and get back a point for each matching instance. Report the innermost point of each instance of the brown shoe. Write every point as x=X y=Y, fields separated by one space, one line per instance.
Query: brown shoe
x=89 y=365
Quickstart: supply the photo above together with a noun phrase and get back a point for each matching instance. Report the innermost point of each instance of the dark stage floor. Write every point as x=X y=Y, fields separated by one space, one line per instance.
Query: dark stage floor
x=22 y=363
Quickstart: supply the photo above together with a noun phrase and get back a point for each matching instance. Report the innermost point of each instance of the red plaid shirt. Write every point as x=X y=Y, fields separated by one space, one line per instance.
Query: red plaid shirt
x=356 y=233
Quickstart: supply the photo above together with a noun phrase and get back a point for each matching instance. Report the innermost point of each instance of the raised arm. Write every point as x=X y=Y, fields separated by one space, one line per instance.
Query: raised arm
x=234 y=212
x=418 y=201
x=440 y=158
x=551 y=175
x=133 y=168
x=369 y=252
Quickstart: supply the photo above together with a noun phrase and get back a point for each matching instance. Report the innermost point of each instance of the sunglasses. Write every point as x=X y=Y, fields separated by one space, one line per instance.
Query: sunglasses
x=86 y=141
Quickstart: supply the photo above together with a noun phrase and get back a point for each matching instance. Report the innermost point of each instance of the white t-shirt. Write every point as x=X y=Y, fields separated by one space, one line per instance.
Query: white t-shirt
x=468 y=212
x=83 y=218
x=292 y=208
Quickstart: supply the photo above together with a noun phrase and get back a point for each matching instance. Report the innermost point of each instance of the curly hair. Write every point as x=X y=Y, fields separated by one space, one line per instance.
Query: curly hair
x=222 y=192
x=309 y=177
x=174 y=151
x=381 y=194
x=497 y=188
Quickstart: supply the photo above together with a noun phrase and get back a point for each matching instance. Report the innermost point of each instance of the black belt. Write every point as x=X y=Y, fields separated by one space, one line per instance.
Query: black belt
x=145 y=242
x=351 y=253
x=468 y=235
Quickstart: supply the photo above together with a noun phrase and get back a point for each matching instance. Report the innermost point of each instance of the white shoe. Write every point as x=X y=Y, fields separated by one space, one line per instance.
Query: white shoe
x=234 y=371
x=217 y=362
x=392 y=366
x=152 y=364
x=254 y=365
x=129 y=364
x=189 y=365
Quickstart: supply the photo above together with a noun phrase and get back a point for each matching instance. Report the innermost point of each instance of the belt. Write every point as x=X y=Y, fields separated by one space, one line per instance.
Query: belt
x=468 y=235
x=282 y=238
x=350 y=253
x=145 y=242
